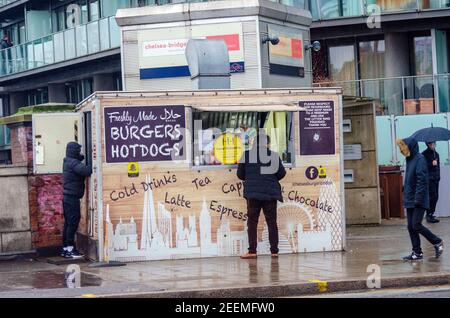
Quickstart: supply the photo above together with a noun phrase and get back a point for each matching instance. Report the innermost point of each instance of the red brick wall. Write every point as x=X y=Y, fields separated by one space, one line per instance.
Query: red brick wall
x=46 y=209
x=22 y=145
x=45 y=192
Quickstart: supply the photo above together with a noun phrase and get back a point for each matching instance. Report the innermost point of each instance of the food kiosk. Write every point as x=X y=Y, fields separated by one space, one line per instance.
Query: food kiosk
x=164 y=182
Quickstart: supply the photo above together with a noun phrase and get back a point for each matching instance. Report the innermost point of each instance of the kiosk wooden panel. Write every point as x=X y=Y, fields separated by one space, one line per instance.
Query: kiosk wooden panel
x=175 y=209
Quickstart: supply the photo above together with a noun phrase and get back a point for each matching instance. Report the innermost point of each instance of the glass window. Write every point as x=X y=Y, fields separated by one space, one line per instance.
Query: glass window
x=371 y=54
x=59 y=19
x=395 y=5
x=343 y=67
x=79 y=90
x=242 y=127
x=22 y=33
x=118 y=82
x=371 y=66
x=342 y=63
x=109 y=7
x=423 y=55
x=83 y=11
x=329 y=9
x=94 y=10
x=340 y=8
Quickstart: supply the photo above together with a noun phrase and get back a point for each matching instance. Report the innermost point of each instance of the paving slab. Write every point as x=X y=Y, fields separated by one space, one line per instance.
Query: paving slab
x=290 y=275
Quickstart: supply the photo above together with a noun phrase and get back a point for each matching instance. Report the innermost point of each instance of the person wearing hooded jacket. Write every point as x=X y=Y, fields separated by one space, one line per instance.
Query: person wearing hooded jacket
x=74 y=175
x=417 y=198
x=434 y=174
x=261 y=170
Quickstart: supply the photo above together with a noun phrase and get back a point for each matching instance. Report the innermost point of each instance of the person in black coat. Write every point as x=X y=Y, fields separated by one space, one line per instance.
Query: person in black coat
x=261 y=170
x=416 y=198
x=434 y=177
x=74 y=175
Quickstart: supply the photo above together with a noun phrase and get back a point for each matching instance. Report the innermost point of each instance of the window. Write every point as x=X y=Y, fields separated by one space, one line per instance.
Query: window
x=65 y=16
x=37 y=96
x=94 y=10
x=243 y=127
x=118 y=82
x=16 y=33
x=78 y=91
x=371 y=54
x=109 y=7
x=343 y=66
x=423 y=56
x=371 y=66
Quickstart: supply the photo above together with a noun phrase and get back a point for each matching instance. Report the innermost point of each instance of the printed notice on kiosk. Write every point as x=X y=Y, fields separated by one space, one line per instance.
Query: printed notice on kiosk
x=317 y=128
x=144 y=133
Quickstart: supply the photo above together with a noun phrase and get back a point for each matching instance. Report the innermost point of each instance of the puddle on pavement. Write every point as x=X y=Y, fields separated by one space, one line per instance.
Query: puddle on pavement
x=47 y=280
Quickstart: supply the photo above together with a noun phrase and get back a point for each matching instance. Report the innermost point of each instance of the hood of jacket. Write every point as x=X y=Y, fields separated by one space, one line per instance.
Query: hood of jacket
x=73 y=150
x=409 y=147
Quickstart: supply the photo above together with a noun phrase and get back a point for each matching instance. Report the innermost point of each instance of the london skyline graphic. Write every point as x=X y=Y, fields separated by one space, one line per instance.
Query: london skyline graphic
x=158 y=241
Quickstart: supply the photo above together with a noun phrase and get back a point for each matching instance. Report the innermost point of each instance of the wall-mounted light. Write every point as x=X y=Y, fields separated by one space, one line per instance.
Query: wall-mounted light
x=315 y=46
x=274 y=40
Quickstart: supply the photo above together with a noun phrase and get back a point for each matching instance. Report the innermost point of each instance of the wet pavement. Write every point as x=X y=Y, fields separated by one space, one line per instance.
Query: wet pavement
x=384 y=246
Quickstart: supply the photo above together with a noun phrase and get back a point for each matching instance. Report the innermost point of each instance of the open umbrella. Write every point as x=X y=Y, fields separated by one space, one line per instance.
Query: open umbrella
x=432 y=134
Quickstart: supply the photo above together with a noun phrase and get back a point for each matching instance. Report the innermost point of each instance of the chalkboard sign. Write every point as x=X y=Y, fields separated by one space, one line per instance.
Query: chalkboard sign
x=317 y=128
x=144 y=133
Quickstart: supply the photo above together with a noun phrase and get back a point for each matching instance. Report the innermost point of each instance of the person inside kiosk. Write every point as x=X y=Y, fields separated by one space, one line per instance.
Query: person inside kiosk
x=242 y=128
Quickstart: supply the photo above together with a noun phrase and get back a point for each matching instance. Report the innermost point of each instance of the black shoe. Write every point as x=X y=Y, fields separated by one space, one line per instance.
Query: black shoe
x=413 y=257
x=439 y=248
x=74 y=254
x=432 y=219
x=63 y=253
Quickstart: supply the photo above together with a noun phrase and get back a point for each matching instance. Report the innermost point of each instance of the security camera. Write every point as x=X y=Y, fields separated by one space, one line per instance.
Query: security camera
x=316 y=46
x=274 y=40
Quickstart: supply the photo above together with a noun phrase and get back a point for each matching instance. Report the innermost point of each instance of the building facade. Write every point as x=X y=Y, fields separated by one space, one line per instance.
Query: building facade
x=62 y=51
x=393 y=51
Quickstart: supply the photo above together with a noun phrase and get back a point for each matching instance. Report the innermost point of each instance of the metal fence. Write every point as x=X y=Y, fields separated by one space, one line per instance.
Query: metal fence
x=72 y=43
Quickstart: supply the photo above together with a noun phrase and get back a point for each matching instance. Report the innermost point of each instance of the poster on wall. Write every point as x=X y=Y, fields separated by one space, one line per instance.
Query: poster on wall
x=143 y=134
x=287 y=57
x=162 y=51
x=317 y=128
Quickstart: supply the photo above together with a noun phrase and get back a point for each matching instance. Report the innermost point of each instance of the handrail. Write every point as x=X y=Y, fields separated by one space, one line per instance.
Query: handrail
x=60 y=46
x=362 y=10
x=382 y=79
x=6 y=2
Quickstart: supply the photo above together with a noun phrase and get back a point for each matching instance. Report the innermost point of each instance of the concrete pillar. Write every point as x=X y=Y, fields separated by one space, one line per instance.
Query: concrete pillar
x=103 y=82
x=17 y=100
x=396 y=64
x=57 y=93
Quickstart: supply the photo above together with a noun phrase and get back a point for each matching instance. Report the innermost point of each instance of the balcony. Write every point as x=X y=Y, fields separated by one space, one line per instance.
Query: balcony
x=401 y=95
x=5 y=2
x=82 y=40
x=332 y=9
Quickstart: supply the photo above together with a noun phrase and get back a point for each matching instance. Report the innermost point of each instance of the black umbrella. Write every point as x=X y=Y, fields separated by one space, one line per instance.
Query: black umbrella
x=432 y=134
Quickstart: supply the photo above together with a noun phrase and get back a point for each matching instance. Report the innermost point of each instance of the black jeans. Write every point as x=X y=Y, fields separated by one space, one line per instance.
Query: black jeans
x=434 y=196
x=270 y=212
x=72 y=217
x=415 y=228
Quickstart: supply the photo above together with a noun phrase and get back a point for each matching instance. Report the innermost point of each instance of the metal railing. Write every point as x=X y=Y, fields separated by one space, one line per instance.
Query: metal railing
x=5 y=2
x=401 y=95
x=82 y=40
x=332 y=9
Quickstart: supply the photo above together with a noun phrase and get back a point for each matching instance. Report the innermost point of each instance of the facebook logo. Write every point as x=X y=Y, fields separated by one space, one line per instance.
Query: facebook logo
x=312 y=173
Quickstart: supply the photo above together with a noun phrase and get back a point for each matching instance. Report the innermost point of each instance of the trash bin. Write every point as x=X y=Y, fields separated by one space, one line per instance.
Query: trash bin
x=391 y=184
